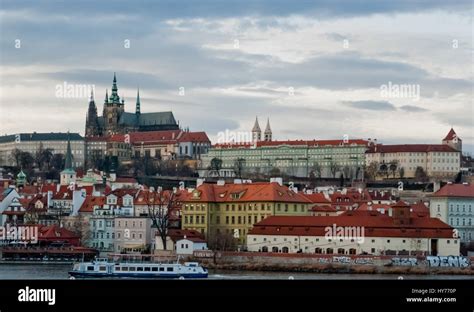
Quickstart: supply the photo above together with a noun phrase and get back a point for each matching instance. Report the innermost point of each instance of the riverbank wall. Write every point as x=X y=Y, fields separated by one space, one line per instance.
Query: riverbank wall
x=364 y=264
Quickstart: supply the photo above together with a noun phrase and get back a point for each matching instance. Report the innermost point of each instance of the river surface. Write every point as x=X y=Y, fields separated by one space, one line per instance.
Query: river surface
x=60 y=271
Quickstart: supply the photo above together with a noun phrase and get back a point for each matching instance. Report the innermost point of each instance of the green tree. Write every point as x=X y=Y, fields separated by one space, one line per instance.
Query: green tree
x=393 y=167
x=420 y=174
x=216 y=165
x=239 y=166
x=401 y=172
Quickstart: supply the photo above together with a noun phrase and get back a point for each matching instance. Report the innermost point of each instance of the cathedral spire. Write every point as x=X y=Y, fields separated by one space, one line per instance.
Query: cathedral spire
x=106 y=96
x=268 y=131
x=137 y=106
x=91 y=99
x=256 y=131
x=114 y=97
x=68 y=161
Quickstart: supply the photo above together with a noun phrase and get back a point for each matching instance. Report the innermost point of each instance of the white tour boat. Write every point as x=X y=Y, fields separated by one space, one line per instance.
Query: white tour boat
x=103 y=268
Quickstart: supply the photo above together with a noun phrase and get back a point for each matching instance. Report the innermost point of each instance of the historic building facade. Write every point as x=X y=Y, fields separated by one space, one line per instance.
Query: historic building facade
x=233 y=208
x=436 y=160
x=454 y=204
x=34 y=142
x=115 y=119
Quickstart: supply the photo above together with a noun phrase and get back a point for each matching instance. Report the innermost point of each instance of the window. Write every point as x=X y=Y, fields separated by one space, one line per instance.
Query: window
x=169 y=269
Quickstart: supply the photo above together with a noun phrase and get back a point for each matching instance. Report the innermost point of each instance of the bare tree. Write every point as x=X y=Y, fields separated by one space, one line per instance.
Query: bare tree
x=160 y=206
x=239 y=165
x=372 y=170
x=384 y=170
x=393 y=167
x=401 y=172
x=216 y=165
x=316 y=170
x=334 y=168
x=15 y=156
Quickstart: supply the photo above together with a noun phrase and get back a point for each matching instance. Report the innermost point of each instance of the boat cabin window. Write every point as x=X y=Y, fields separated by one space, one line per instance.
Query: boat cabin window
x=132 y=268
x=140 y=269
x=124 y=268
x=147 y=269
x=102 y=268
x=162 y=269
x=169 y=269
x=90 y=268
x=117 y=268
x=154 y=269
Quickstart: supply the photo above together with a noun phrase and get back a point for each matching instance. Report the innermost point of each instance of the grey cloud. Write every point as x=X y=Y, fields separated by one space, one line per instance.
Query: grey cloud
x=371 y=105
x=413 y=109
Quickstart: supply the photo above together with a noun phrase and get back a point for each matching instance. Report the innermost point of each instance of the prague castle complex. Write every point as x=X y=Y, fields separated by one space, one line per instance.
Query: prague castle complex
x=115 y=120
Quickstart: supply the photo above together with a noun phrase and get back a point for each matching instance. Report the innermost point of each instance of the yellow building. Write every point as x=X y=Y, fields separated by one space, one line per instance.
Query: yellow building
x=232 y=209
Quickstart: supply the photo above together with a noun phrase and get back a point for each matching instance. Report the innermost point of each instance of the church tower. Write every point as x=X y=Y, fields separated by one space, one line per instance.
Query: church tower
x=68 y=175
x=268 y=132
x=92 y=121
x=256 y=131
x=137 y=106
x=113 y=109
x=453 y=140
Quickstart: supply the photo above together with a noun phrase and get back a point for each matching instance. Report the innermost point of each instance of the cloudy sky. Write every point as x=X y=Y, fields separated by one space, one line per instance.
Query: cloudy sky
x=315 y=68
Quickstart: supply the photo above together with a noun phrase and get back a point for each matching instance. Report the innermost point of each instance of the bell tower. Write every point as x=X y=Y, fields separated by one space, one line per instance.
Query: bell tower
x=113 y=109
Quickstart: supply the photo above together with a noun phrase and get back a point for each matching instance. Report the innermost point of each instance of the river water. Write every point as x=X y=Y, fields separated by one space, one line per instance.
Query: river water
x=60 y=271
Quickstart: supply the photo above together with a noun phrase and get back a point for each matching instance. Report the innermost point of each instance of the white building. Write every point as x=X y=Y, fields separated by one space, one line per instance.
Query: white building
x=454 y=204
x=354 y=233
x=436 y=160
x=187 y=246
x=133 y=234
x=31 y=143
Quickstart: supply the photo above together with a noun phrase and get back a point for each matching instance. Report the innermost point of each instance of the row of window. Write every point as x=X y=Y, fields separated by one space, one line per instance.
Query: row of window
x=308 y=240
x=112 y=235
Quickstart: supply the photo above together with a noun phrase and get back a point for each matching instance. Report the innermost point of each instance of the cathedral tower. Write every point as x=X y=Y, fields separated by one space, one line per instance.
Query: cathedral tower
x=92 y=121
x=113 y=109
x=268 y=132
x=453 y=140
x=256 y=131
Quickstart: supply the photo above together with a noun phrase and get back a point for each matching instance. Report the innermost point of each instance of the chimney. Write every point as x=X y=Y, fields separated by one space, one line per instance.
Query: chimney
x=199 y=182
x=49 y=202
x=277 y=180
x=390 y=212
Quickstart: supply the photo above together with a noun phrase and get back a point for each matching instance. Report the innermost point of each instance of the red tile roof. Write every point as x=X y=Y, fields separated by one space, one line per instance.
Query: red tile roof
x=251 y=192
x=313 y=142
x=317 y=198
x=373 y=207
x=125 y=180
x=192 y=235
x=91 y=201
x=48 y=187
x=29 y=189
x=374 y=223
x=410 y=148
x=455 y=190
x=451 y=135
x=295 y=143
x=323 y=208
x=194 y=137
x=55 y=232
